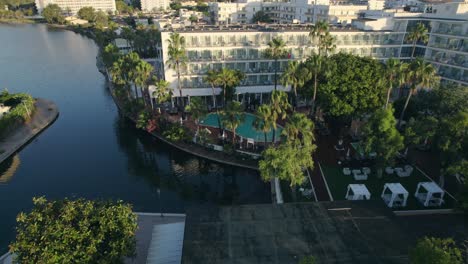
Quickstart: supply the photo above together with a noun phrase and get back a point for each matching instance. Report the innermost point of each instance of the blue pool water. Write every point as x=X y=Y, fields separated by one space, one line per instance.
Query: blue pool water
x=246 y=128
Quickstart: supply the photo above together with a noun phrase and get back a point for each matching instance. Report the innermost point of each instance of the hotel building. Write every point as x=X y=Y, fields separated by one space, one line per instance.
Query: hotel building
x=242 y=47
x=73 y=6
x=154 y=5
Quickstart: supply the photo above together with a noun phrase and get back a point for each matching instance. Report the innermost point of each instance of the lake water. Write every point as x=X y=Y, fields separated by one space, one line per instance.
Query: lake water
x=91 y=151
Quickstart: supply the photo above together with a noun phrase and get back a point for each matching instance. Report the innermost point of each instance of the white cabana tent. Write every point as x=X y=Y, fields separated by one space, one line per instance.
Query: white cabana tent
x=394 y=195
x=430 y=194
x=357 y=192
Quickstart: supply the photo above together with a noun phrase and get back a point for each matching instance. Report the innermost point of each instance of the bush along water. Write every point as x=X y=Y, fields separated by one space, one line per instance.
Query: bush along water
x=21 y=108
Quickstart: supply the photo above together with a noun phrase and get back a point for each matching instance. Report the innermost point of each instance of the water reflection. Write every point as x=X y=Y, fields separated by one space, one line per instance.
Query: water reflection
x=192 y=179
x=8 y=168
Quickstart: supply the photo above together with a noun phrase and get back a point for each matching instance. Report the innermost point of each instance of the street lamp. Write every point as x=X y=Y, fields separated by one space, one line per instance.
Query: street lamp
x=159 y=199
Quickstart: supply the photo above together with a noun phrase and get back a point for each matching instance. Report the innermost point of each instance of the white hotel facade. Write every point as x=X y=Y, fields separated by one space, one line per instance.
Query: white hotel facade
x=73 y=6
x=242 y=47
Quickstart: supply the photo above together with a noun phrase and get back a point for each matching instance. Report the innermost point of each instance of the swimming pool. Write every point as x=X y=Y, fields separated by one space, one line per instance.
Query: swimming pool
x=245 y=129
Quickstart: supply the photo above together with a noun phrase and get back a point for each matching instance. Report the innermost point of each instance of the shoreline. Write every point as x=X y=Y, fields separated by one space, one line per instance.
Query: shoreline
x=45 y=114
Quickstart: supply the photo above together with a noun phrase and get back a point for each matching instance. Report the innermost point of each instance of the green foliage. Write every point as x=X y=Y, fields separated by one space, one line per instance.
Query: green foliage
x=232 y=116
x=264 y=120
x=52 y=13
x=227 y=79
x=279 y=106
x=123 y=8
x=261 y=17
x=110 y=55
x=101 y=19
x=287 y=162
x=22 y=107
x=308 y=260
x=299 y=130
x=87 y=13
x=75 y=231
x=176 y=133
x=197 y=109
x=15 y=4
x=382 y=137
x=175 y=5
x=353 y=87
x=430 y=250
x=10 y=14
x=162 y=93
x=420 y=131
x=143 y=119
x=193 y=18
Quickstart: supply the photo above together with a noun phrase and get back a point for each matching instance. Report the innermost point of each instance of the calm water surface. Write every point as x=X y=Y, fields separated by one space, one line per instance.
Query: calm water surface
x=90 y=151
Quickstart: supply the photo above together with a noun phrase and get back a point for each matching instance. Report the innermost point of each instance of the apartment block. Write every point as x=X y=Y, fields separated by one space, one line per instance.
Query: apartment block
x=73 y=6
x=154 y=5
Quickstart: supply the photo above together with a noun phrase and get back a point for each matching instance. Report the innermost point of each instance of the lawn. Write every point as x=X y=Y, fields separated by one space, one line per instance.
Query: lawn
x=338 y=183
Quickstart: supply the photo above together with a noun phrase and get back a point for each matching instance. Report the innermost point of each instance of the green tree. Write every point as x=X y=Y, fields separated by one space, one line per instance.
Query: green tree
x=101 y=20
x=419 y=33
x=52 y=13
x=295 y=75
x=299 y=130
x=327 y=44
x=308 y=260
x=349 y=92
x=75 y=231
x=264 y=120
x=262 y=17
x=420 y=74
x=430 y=250
x=212 y=79
x=395 y=74
x=279 y=106
x=382 y=137
x=276 y=50
x=420 y=131
x=228 y=79
x=197 y=109
x=132 y=61
x=87 y=13
x=314 y=64
x=143 y=71
x=110 y=54
x=232 y=116
x=162 y=92
x=177 y=58
x=193 y=19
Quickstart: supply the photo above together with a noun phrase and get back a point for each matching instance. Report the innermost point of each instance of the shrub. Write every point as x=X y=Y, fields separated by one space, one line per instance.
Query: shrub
x=176 y=133
x=22 y=107
x=430 y=250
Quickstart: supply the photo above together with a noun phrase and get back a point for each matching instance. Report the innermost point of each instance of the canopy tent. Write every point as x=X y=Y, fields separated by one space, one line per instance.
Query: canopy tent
x=394 y=195
x=430 y=194
x=357 y=192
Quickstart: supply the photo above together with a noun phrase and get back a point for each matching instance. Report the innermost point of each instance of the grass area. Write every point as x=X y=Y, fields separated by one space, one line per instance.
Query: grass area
x=22 y=107
x=338 y=183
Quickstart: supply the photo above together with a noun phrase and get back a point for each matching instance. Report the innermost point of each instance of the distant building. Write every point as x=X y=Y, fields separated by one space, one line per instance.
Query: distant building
x=71 y=7
x=154 y=5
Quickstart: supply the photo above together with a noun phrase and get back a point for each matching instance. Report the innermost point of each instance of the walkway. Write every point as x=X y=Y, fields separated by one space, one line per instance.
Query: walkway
x=46 y=113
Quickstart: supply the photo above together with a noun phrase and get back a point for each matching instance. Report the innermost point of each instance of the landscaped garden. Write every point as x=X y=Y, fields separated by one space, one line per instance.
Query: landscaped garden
x=338 y=183
x=14 y=110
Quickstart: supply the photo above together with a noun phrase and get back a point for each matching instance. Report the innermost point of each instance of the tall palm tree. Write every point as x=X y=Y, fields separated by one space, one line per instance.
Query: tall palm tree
x=110 y=55
x=177 y=58
x=212 y=79
x=420 y=74
x=327 y=44
x=128 y=35
x=279 y=106
x=121 y=75
x=294 y=75
x=395 y=74
x=232 y=116
x=227 y=78
x=132 y=60
x=263 y=121
x=419 y=33
x=318 y=32
x=299 y=130
x=197 y=109
x=143 y=72
x=276 y=50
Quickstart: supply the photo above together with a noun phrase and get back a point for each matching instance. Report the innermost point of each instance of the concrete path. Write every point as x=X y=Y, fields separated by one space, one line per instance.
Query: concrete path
x=46 y=112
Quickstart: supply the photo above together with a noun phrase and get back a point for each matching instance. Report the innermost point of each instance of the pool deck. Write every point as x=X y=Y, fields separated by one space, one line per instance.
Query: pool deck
x=45 y=114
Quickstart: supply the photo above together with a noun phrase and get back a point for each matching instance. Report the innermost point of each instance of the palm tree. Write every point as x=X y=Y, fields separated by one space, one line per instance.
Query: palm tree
x=232 y=116
x=275 y=51
x=394 y=71
x=314 y=62
x=128 y=35
x=279 y=106
x=121 y=75
x=143 y=72
x=227 y=78
x=110 y=55
x=419 y=33
x=299 y=127
x=420 y=74
x=263 y=121
x=162 y=92
x=212 y=79
x=197 y=109
x=177 y=58
x=132 y=60
x=327 y=44
x=318 y=32
x=294 y=75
